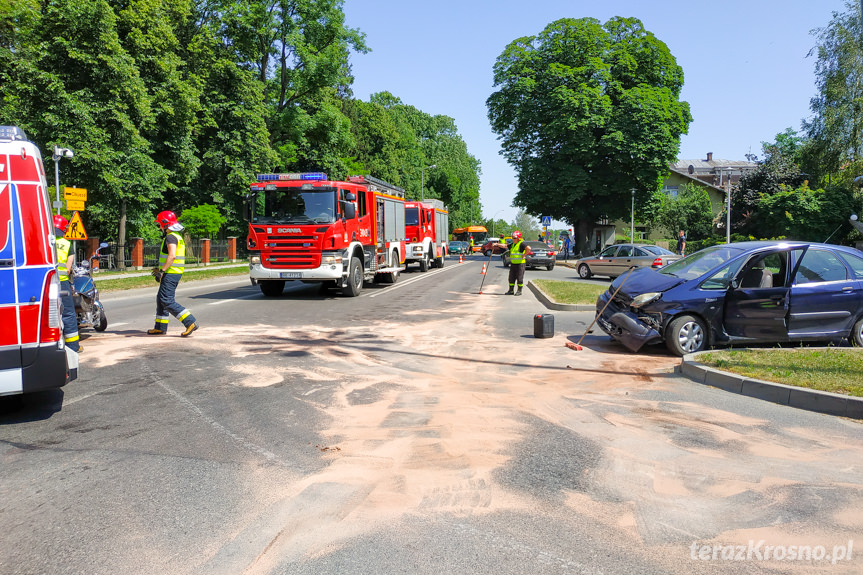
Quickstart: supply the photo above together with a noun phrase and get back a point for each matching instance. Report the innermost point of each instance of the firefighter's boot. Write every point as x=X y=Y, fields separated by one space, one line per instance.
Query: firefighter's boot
x=518 y=292
x=157 y=331
x=189 y=329
x=510 y=292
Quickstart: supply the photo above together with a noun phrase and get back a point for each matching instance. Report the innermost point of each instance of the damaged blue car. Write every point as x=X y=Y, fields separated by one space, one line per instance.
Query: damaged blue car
x=740 y=293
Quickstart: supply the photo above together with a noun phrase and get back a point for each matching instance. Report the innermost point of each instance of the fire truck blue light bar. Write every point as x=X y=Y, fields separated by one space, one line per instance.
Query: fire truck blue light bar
x=320 y=176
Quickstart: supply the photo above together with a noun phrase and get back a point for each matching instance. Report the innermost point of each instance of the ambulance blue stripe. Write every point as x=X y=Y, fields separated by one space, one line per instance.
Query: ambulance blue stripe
x=7 y=286
x=31 y=282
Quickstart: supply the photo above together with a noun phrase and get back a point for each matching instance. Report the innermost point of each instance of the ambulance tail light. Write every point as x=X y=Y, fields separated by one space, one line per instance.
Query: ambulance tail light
x=50 y=321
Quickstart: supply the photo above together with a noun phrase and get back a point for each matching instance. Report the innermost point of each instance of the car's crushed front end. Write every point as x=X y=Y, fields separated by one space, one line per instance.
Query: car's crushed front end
x=637 y=315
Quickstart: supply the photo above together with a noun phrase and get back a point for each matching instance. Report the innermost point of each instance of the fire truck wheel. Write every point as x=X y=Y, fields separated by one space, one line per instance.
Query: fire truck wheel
x=439 y=262
x=272 y=288
x=354 y=281
x=424 y=264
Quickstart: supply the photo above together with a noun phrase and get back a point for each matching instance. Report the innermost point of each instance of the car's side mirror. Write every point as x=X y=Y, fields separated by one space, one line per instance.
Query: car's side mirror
x=735 y=283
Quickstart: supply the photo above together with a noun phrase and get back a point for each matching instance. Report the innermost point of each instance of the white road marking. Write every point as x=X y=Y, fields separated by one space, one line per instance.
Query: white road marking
x=221 y=301
x=412 y=280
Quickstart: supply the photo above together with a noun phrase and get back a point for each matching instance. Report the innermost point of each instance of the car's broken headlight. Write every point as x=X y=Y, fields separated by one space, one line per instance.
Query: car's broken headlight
x=645 y=298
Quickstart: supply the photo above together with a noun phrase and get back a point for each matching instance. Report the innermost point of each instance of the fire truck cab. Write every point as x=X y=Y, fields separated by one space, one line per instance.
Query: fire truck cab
x=427 y=229
x=33 y=355
x=306 y=227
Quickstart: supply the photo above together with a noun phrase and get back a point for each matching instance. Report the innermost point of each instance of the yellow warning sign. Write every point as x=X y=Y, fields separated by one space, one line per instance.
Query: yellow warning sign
x=74 y=205
x=76 y=230
x=79 y=194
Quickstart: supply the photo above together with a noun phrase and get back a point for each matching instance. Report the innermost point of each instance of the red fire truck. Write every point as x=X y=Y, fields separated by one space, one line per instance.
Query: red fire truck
x=340 y=233
x=427 y=227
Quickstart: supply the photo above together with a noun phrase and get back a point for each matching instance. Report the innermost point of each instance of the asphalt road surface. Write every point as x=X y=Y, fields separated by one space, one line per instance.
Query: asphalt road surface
x=418 y=428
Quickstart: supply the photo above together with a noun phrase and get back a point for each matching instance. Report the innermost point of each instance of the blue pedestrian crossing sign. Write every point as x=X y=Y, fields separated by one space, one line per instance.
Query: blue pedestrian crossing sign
x=546 y=220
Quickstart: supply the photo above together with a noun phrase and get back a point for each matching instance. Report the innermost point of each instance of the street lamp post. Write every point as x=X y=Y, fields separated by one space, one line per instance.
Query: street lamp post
x=492 y=223
x=632 y=223
x=727 y=205
x=423 y=180
x=59 y=153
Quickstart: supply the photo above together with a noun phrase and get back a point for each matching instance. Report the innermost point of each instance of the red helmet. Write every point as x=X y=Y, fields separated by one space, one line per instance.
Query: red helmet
x=516 y=235
x=61 y=223
x=165 y=219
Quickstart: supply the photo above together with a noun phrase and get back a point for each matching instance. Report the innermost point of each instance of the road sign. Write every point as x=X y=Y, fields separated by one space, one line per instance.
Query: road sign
x=74 y=205
x=76 y=230
x=79 y=194
x=546 y=220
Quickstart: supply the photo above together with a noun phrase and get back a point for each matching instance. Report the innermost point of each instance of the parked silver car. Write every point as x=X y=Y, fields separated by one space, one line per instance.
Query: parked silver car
x=542 y=255
x=616 y=260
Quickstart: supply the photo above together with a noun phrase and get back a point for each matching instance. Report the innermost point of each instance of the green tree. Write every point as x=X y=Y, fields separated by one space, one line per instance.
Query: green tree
x=836 y=127
x=689 y=211
x=526 y=224
x=203 y=221
x=585 y=113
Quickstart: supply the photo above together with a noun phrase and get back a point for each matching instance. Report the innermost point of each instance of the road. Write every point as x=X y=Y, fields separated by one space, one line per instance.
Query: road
x=419 y=428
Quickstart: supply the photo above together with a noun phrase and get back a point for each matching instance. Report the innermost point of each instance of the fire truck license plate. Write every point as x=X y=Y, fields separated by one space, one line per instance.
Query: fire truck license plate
x=290 y=275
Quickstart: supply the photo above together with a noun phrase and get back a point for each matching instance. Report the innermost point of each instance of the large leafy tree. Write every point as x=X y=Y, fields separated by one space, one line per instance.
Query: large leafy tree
x=587 y=112
x=836 y=127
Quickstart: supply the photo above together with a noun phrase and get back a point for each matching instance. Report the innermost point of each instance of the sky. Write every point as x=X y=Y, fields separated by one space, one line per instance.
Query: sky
x=748 y=73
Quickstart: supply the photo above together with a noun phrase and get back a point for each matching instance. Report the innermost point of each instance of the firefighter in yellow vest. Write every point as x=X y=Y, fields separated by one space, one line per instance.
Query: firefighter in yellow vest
x=65 y=261
x=517 y=253
x=172 y=262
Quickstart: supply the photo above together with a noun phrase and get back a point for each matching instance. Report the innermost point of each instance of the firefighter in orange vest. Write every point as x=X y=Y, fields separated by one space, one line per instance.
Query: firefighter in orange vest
x=172 y=263
x=65 y=261
x=517 y=255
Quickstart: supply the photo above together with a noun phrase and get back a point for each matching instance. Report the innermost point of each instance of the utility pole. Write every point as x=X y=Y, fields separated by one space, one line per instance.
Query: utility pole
x=632 y=224
x=728 y=206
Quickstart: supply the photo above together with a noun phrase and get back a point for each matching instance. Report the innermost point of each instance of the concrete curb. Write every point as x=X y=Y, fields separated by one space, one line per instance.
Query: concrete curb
x=792 y=396
x=544 y=300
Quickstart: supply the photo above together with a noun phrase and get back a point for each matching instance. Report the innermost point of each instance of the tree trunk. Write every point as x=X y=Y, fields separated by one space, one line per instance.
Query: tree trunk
x=583 y=231
x=121 y=238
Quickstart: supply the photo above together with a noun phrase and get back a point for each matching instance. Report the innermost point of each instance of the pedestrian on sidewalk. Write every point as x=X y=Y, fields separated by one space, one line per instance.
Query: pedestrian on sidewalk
x=172 y=264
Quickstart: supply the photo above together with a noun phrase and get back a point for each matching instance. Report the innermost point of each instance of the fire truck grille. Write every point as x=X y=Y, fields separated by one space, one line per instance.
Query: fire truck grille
x=286 y=259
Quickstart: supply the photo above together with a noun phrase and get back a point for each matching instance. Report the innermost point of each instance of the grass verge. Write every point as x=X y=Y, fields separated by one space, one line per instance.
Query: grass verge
x=118 y=284
x=567 y=292
x=835 y=370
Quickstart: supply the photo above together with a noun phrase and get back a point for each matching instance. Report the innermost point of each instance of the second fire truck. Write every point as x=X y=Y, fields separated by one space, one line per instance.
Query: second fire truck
x=427 y=230
x=304 y=226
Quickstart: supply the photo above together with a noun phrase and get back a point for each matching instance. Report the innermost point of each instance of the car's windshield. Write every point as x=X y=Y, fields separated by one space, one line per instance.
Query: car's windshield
x=298 y=206
x=697 y=264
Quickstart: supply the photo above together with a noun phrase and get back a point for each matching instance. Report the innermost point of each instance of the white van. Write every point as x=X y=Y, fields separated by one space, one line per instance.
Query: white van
x=33 y=356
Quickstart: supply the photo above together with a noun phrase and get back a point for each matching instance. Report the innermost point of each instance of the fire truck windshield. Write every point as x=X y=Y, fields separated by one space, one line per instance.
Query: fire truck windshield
x=299 y=206
x=412 y=216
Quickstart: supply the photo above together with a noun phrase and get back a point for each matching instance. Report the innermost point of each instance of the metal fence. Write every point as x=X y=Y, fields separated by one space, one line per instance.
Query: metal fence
x=110 y=256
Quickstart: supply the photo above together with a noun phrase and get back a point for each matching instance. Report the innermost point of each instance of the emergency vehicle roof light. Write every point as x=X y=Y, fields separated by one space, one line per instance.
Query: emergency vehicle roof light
x=320 y=176
x=12 y=133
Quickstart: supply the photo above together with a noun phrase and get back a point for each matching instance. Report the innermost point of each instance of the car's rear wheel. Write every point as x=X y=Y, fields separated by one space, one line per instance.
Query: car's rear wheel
x=686 y=334
x=486 y=253
x=857 y=333
x=584 y=272
x=549 y=267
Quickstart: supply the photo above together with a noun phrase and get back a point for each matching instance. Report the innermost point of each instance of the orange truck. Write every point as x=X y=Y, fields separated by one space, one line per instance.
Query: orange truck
x=427 y=228
x=341 y=234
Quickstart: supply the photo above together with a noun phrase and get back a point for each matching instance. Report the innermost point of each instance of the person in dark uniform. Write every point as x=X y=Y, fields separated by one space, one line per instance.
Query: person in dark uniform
x=517 y=254
x=172 y=263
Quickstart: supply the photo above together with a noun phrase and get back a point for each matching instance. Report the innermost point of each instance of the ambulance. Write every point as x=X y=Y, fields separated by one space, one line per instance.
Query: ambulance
x=33 y=356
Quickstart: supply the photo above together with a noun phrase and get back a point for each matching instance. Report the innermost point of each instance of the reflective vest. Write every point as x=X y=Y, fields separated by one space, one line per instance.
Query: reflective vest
x=179 y=263
x=516 y=252
x=63 y=247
